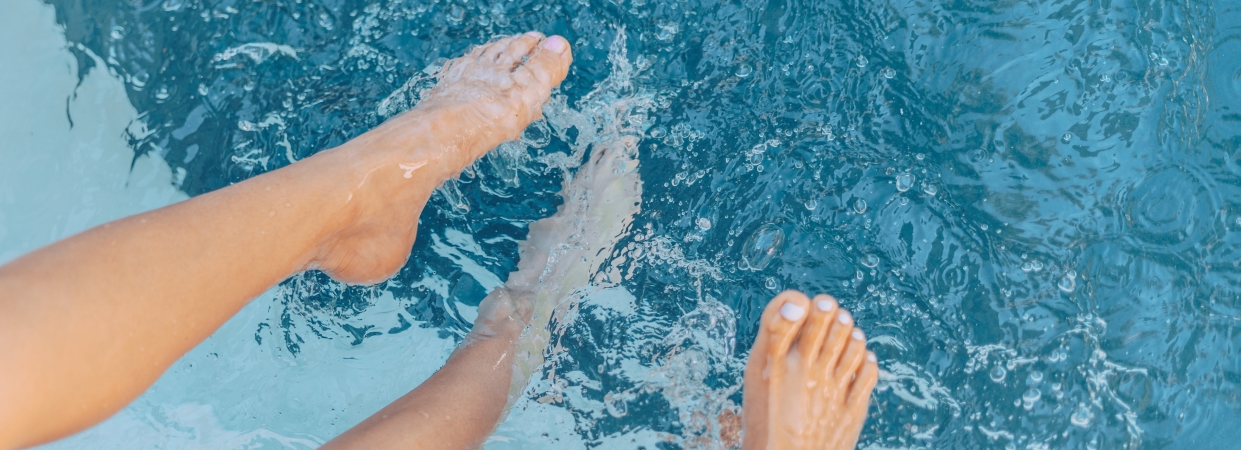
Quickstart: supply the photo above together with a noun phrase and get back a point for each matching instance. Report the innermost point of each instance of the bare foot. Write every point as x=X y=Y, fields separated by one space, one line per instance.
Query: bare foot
x=482 y=99
x=563 y=252
x=809 y=378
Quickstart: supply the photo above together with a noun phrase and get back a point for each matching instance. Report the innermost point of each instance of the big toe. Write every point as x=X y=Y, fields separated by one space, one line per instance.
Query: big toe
x=546 y=66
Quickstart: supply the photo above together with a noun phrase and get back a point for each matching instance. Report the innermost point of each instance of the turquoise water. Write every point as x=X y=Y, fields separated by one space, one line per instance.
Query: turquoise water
x=1030 y=207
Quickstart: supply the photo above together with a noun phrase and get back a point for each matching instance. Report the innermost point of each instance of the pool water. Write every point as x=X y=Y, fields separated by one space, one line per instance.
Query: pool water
x=1032 y=208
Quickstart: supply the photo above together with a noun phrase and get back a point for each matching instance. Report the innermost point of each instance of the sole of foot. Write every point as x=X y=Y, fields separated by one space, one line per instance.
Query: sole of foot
x=809 y=377
x=562 y=254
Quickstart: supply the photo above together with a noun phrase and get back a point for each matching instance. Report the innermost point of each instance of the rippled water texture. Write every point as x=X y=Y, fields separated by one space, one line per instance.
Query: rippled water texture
x=1031 y=207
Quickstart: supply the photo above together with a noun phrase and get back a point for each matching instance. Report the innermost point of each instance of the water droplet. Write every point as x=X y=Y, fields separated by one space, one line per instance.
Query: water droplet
x=162 y=93
x=1081 y=416
x=704 y=224
x=904 y=181
x=1030 y=397
x=1104 y=78
x=1067 y=137
x=117 y=32
x=1036 y=376
x=770 y=283
x=812 y=204
x=888 y=73
x=998 y=373
x=139 y=80
x=456 y=14
x=762 y=247
x=325 y=20
x=202 y=89
x=744 y=71
x=1068 y=282
x=859 y=206
x=861 y=61
x=929 y=189
x=870 y=261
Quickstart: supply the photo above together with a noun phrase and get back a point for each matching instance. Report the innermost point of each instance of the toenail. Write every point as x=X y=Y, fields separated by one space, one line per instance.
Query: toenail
x=857 y=335
x=556 y=44
x=792 y=312
x=844 y=318
x=870 y=356
x=534 y=34
x=825 y=305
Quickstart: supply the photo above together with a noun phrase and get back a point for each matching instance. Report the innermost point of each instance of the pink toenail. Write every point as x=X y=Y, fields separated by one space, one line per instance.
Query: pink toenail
x=534 y=34
x=556 y=44
x=825 y=305
x=844 y=318
x=870 y=356
x=792 y=312
x=857 y=335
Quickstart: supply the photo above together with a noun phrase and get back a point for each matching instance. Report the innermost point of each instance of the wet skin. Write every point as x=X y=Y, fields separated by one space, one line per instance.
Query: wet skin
x=67 y=311
x=809 y=377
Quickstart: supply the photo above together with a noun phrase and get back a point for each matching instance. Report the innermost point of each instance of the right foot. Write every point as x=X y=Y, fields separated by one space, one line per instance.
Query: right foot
x=809 y=378
x=482 y=99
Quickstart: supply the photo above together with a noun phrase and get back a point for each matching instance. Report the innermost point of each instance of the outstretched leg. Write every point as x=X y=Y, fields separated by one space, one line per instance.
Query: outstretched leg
x=462 y=403
x=88 y=323
x=809 y=378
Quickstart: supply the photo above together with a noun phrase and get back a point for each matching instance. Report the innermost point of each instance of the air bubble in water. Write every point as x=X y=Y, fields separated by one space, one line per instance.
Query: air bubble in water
x=162 y=93
x=904 y=181
x=861 y=61
x=998 y=373
x=1068 y=282
x=1036 y=376
x=771 y=283
x=1030 y=397
x=762 y=247
x=325 y=21
x=888 y=73
x=117 y=33
x=1067 y=137
x=870 y=261
x=202 y=89
x=812 y=204
x=456 y=14
x=859 y=206
x=744 y=70
x=704 y=224
x=1081 y=416
x=929 y=189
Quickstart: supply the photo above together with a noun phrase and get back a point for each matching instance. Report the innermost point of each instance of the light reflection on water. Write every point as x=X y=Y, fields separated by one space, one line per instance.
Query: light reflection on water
x=995 y=192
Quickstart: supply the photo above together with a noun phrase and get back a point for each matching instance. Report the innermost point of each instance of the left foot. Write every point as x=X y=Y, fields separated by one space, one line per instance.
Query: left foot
x=562 y=252
x=482 y=99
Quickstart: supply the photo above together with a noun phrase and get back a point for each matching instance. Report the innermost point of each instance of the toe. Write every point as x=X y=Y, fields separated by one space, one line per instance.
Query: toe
x=834 y=345
x=864 y=382
x=855 y=352
x=519 y=48
x=782 y=320
x=549 y=61
x=823 y=313
x=495 y=49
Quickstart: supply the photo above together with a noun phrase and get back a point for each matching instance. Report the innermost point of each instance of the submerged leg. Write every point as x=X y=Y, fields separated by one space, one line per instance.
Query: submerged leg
x=88 y=323
x=809 y=378
x=461 y=404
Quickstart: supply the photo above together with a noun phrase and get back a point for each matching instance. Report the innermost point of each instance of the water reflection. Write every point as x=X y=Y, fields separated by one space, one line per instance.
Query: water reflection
x=1030 y=207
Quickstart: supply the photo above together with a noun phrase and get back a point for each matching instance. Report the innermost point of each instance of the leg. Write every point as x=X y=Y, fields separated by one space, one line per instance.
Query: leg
x=809 y=378
x=462 y=403
x=88 y=323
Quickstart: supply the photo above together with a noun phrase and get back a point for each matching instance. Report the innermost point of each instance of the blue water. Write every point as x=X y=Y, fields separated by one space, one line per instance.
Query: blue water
x=1032 y=208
